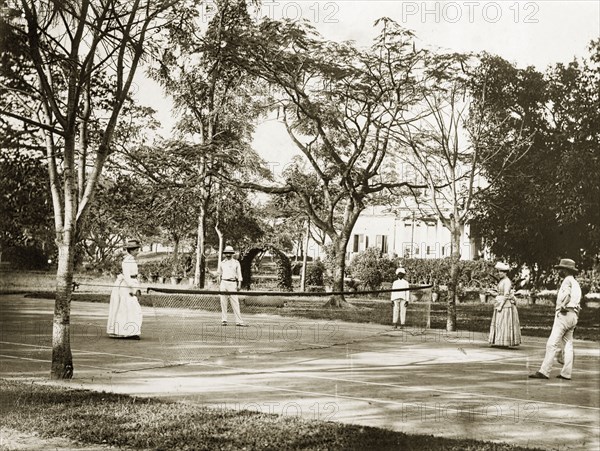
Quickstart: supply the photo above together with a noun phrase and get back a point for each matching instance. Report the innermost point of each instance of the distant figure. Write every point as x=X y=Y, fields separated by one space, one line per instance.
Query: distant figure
x=230 y=279
x=400 y=298
x=566 y=315
x=124 y=311
x=524 y=278
x=505 y=329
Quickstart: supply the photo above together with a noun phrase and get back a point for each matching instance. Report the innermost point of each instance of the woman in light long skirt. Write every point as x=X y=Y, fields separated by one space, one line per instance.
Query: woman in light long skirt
x=505 y=329
x=124 y=311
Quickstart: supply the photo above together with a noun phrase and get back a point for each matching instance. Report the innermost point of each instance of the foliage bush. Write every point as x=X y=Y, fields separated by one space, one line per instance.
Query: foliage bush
x=589 y=281
x=166 y=267
x=25 y=257
x=284 y=271
x=551 y=280
x=110 y=265
x=371 y=268
x=296 y=268
x=473 y=274
x=152 y=269
x=314 y=273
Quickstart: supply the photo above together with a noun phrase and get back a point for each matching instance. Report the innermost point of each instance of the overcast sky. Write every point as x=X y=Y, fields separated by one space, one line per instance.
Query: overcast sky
x=538 y=33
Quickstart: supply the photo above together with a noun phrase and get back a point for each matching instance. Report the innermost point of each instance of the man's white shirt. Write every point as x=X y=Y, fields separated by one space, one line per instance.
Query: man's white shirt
x=569 y=289
x=400 y=295
x=230 y=270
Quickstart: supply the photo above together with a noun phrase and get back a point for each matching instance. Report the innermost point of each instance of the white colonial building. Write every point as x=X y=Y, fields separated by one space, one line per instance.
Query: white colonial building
x=404 y=232
x=409 y=233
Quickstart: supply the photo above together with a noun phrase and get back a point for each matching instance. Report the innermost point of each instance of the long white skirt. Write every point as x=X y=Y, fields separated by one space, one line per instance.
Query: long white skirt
x=124 y=312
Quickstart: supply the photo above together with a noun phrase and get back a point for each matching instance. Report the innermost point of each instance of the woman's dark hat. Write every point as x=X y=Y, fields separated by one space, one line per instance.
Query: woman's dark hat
x=567 y=263
x=132 y=244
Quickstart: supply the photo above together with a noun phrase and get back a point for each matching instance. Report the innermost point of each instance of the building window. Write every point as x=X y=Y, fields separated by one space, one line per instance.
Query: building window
x=360 y=243
x=381 y=241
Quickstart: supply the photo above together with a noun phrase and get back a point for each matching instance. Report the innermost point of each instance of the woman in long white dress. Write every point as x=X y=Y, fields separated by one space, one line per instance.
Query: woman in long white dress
x=505 y=329
x=125 y=312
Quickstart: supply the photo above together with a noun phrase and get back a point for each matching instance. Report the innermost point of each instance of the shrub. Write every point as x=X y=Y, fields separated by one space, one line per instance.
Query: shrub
x=284 y=272
x=423 y=271
x=371 y=268
x=165 y=267
x=112 y=265
x=25 y=257
x=151 y=269
x=314 y=273
x=551 y=280
x=589 y=281
x=474 y=274
x=296 y=268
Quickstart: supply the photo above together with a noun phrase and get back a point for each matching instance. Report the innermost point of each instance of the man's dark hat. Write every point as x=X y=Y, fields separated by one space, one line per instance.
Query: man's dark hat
x=567 y=263
x=132 y=244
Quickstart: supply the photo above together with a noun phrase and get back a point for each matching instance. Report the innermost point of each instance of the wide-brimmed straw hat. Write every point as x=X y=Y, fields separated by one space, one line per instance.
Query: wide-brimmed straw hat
x=501 y=266
x=228 y=250
x=567 y=263
x=132 y=244
x=400 y=270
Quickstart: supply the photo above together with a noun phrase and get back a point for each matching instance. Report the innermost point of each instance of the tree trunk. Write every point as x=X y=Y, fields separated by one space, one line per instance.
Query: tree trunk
x=455 y=233
x=62 y=359
x=339 y=258
x=199 y=273
x=305 y=257
x=174 y=269
x=220 y=252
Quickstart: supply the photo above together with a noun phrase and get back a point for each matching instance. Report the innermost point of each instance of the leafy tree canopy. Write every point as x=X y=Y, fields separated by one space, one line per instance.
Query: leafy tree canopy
x=547 y=206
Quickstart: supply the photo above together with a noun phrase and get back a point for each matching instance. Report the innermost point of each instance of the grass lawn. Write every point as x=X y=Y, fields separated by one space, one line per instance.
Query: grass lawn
x=141 y=423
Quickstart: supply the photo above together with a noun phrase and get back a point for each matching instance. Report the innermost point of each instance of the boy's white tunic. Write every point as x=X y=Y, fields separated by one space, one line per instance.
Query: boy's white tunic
x=124 y=312
x=400 y=300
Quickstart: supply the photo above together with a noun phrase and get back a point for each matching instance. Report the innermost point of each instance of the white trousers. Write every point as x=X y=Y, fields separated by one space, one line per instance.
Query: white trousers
x=233 y=299
x=560 y=337
x=399 y=307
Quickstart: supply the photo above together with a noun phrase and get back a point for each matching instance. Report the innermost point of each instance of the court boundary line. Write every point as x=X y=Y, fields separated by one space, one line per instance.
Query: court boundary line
x=84 y=351
x=384 y=401
x=48 y=361
x=381 y=384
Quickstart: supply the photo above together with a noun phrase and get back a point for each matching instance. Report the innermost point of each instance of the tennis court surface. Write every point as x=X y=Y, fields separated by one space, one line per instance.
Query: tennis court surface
x=415 y=381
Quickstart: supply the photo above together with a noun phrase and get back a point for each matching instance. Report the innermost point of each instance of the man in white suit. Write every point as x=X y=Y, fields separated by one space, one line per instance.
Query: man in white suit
x=566 y=315
x=400 y=298
x=230 y=279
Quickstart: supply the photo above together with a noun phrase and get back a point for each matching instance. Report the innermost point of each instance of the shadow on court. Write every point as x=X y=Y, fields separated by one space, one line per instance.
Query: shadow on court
x=415 y=381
